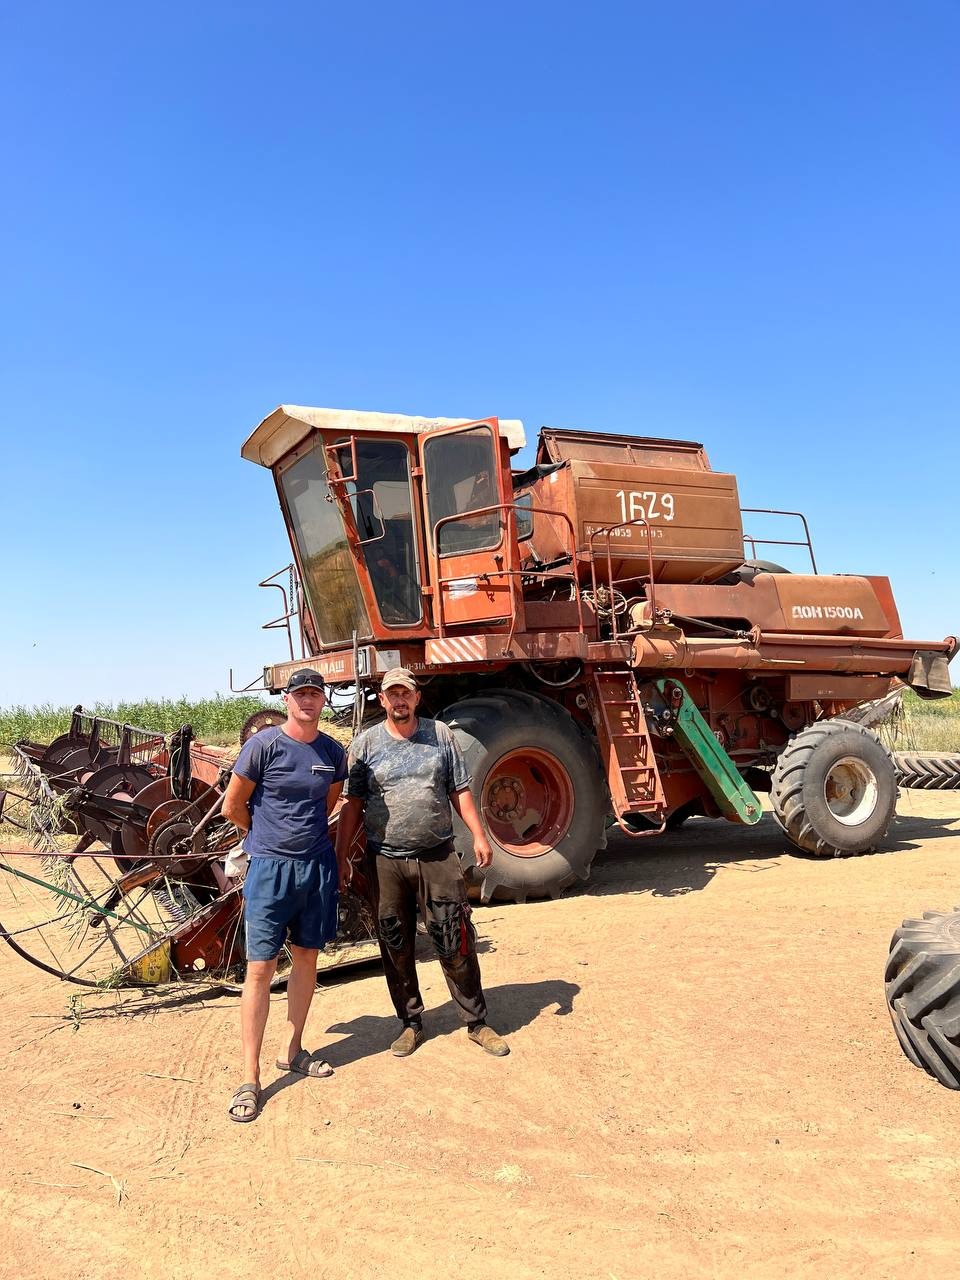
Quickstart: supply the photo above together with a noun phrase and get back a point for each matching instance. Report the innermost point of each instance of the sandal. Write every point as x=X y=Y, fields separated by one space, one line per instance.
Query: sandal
x=305 y=1064
x=247 y=1096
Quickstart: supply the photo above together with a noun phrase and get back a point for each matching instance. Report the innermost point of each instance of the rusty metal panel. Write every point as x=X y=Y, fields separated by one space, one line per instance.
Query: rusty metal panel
x=835 y=688
x=556 y=445
x=830 y=604
x=691 y=518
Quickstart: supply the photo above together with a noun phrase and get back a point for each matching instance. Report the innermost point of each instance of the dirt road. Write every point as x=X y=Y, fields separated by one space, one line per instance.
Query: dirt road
x=703 y=1082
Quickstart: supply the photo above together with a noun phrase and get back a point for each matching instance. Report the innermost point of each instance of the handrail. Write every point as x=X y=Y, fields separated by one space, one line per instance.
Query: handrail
x=291 y=609
x=607 y=530
x=509 y=572
x=780 y=542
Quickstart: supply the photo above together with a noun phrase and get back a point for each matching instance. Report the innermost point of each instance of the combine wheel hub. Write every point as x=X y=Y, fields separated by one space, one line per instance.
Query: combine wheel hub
x=507 y=799
x=528 y=802
x=851 y=791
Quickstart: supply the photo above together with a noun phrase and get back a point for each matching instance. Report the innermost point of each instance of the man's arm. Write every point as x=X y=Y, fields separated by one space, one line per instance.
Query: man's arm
x=236 y=801
x=466 y=807
x=333 y=795
x=348 y=824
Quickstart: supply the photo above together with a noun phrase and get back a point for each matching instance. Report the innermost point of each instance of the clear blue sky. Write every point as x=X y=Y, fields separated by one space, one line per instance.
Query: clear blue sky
x=736 y=223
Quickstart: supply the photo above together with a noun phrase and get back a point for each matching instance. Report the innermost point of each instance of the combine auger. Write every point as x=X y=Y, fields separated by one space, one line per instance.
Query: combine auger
x=139 y=895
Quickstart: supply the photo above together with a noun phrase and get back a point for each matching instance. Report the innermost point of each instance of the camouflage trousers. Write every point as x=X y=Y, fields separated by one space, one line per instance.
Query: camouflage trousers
x=434 y=884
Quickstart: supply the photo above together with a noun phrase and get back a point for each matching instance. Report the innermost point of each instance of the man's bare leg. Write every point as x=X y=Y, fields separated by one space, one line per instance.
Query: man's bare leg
x=301 y=984
x=254 y=1008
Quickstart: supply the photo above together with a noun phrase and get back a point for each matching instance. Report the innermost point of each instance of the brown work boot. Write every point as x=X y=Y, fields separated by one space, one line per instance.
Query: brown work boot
x=409 y=1039
x=488 y=1040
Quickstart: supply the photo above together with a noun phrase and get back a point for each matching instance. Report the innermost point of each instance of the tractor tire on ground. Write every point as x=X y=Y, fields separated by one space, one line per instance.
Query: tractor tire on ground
x=834 y=789
x=922 y=984
x=537 y=782
x=928 y=772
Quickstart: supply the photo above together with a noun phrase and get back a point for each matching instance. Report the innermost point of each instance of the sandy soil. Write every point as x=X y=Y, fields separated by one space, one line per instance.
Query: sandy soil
x=703 y=1082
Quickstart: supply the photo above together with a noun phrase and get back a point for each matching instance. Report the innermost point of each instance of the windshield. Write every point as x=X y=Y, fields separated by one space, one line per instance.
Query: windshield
x=382 y=506
x=329 y=577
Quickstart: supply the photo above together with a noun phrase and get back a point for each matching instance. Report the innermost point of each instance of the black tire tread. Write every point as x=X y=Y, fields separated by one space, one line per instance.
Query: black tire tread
x=926 y=771
x=922 y=989
x=786 y=790
x=540 y=877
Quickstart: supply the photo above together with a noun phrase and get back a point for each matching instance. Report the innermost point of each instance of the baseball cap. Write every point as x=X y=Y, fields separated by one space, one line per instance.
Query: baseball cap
x=306 y=678
x=399 y=675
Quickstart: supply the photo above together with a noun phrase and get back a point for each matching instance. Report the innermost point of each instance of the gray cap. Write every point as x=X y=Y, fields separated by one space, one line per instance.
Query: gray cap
x=399 y=675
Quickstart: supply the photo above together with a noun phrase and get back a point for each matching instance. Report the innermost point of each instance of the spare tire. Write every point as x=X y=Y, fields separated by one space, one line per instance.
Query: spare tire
x=747 y=571
x=928 y=772
x=537 y=782
x=834 y=789
x=922 y=985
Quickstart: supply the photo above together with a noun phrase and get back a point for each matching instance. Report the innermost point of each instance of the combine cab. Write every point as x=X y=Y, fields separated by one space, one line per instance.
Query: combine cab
x=592 y=631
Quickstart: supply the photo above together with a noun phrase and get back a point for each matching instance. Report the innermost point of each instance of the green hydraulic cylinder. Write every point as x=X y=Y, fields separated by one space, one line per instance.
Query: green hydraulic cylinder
x=734 y=798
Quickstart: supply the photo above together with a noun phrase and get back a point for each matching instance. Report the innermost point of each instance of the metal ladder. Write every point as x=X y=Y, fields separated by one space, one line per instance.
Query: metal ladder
x=626 y=749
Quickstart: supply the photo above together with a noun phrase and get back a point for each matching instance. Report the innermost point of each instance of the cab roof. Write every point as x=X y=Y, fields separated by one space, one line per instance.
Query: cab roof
x=290 y=424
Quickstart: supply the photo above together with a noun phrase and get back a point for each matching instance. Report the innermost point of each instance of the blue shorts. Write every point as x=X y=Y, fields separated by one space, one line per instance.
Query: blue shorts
x=295 y=896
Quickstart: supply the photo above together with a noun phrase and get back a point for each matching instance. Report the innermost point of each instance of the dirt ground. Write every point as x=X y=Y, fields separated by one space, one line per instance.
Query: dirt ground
x=703 y=1082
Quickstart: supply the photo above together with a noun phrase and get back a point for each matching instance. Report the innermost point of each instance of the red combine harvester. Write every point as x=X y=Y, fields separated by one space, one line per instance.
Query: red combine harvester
x=590 y=628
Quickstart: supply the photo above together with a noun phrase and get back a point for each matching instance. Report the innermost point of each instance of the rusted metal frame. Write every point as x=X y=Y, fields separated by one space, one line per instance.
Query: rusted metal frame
x=334 y=462
x=290 y=610
x=452 y=519
x=283 y=621
x=766 y=651
x=853 y=643
x=510 y=572
x=607 y=530
x=773 y=542
x=640 y=835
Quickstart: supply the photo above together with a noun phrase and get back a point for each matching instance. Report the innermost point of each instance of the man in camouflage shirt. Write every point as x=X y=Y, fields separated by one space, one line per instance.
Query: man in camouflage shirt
x=404 y=775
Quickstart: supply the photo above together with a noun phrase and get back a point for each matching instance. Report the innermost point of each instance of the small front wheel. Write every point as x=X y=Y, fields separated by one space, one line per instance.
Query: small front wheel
x=834 y=789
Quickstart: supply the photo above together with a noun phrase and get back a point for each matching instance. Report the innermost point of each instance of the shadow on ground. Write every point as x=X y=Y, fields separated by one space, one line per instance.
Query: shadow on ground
x=684 y=861
x=512 y=1005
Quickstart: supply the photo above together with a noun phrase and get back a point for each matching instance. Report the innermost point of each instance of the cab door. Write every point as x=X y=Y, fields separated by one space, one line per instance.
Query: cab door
x=470 y=526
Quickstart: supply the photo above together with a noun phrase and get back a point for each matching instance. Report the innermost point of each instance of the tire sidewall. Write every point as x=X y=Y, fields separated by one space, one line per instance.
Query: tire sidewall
x=571 y=857
x=823 y=756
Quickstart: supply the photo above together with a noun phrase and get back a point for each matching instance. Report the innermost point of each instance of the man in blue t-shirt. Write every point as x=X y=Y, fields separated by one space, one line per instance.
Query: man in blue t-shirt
x=285 y=784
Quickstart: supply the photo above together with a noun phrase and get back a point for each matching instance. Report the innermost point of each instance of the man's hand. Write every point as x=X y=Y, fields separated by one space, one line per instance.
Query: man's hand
x=464 y=804
x=345 y=866
x=482 y=853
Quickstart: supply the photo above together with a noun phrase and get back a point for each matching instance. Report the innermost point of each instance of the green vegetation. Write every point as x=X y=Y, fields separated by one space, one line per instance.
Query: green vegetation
x=928 y=725
x=923 y=726
x=216 y=720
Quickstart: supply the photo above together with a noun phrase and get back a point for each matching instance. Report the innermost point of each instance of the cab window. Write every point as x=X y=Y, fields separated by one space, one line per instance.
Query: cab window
x=382 y=505
x=329 y=576
x=461 y=475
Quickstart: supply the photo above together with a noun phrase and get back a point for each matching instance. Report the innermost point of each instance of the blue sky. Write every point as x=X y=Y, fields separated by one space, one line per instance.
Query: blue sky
x=736 y=223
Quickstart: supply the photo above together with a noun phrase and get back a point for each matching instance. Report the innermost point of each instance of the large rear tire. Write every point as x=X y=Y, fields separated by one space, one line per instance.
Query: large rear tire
x=834 y=789
x=922 y=985
x=928 y=772
x=538 y=786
